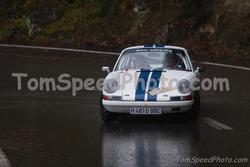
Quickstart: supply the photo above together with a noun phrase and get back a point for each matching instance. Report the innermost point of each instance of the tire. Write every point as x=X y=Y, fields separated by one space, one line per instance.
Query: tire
x=194 y=112
x=106 y=116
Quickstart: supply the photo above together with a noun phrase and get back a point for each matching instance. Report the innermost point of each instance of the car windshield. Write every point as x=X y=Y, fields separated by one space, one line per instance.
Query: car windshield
x=153 y=59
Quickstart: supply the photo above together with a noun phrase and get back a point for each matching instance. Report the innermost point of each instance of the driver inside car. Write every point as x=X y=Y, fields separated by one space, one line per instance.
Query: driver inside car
x=172 y=61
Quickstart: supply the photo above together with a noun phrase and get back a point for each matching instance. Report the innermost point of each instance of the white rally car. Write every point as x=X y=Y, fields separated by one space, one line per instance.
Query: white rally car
x=150 y=80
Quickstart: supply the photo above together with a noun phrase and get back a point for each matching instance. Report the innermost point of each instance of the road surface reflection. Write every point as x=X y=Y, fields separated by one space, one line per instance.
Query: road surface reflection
x=148 y=144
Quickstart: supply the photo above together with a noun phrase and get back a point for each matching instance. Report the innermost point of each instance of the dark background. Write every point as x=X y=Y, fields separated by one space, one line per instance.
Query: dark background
x=212 y=30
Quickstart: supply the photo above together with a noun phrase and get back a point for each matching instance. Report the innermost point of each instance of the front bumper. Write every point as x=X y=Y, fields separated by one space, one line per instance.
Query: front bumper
x=166 y=107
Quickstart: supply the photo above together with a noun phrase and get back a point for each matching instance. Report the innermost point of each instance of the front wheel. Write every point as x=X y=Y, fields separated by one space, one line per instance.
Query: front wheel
x=105 y=114
x=194 y=112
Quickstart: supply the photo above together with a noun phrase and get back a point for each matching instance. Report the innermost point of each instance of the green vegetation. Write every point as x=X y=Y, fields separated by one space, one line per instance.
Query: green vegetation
x=17 y=27
x=204 y=26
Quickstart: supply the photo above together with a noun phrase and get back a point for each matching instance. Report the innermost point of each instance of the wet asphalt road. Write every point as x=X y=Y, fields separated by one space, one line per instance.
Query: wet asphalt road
x=55 y=129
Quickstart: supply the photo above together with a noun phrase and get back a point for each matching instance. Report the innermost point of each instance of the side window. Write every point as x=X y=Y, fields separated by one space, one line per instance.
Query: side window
x=182 y=61
x=121 y=63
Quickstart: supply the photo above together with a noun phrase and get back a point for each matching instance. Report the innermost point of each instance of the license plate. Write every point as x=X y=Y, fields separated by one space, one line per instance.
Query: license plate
x=145 y=111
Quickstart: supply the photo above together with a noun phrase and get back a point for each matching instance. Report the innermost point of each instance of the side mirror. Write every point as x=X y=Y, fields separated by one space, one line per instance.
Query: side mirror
x=199 y=69
x=105 y=69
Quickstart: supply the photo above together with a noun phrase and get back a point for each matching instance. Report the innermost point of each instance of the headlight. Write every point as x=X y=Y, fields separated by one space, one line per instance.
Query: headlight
x=110 y=86
x=184 y=86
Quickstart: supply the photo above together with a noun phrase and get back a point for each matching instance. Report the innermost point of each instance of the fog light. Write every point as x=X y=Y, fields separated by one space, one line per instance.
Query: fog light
x=187 y=98
x=115 y=98
x=105 y=97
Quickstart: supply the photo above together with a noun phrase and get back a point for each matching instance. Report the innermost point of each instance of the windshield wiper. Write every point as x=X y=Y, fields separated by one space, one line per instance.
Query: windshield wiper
x=160 y=68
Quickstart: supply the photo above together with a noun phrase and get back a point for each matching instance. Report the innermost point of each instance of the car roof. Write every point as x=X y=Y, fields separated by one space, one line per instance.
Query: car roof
x=155 y=46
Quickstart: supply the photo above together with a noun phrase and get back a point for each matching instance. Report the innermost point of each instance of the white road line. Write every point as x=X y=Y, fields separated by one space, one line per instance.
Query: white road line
x=62 y=49
x=39 y=57
x=226 y=65
x=4 y=162
x=111 y=53
x=216 y=124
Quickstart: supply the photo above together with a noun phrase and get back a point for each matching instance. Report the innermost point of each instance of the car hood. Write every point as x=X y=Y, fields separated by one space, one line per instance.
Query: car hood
x=149 y=85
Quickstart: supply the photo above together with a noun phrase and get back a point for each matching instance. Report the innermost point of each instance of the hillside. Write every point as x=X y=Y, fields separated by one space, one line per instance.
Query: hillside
x=214 y=30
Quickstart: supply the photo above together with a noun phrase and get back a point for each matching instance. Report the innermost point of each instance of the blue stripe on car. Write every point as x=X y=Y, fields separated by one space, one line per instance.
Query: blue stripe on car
x=154 y=83
x=141 y=85
x=148 y=46
x=157 y=46
x=160 y=45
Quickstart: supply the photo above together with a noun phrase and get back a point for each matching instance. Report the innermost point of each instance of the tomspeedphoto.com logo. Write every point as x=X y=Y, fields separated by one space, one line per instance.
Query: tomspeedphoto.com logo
x=65 y=82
